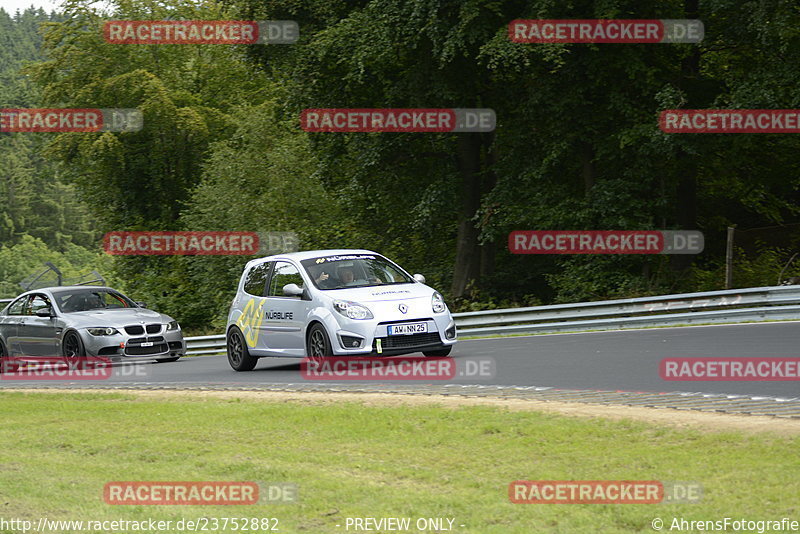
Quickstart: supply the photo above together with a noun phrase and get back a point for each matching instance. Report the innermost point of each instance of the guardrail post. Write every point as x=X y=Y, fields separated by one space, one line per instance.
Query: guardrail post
x=729 y=259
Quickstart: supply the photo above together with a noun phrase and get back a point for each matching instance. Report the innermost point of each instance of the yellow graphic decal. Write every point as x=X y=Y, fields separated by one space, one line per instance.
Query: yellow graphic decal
x=250 y=321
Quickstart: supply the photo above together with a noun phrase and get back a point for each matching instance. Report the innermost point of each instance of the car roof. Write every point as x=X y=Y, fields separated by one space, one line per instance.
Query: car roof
x=62 y=288
x=50 y=290
x=308 y=254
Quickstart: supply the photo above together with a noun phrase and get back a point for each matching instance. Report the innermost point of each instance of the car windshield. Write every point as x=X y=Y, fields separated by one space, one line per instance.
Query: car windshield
x=78 y=300
x=358 y=270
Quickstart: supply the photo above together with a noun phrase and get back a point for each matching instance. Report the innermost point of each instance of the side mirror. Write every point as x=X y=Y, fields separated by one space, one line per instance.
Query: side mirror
x=292 y=290
x=44 y=312
x=141 y=304
x=419 y=278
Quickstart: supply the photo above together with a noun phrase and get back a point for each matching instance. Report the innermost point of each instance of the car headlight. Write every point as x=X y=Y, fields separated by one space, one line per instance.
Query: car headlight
x=172 y=325
x=103 y=331
x=437 y=302
x=352 y=310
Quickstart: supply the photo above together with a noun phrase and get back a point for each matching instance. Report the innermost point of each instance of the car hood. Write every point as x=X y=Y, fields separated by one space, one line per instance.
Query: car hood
x=117 y=318
x=381 y=293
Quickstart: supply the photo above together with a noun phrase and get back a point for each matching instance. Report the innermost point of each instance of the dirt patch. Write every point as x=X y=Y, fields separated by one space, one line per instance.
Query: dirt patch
x=661 y=416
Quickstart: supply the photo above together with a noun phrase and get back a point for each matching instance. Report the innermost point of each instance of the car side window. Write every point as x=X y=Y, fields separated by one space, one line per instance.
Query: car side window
x=37 y=302
x=285 y=273
x=256 y=280
x=18 y=307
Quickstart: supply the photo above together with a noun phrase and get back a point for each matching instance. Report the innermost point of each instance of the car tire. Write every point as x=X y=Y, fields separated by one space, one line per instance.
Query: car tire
x=168 y=360
x=440 y=353
x=73 y=351
x=239 y=356
x=6 y=365
x=318 y=344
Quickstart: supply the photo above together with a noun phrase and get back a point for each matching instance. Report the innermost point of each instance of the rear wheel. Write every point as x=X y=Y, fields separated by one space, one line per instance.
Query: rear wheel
x=318 y=345
x=6 y=364
x=438 y=353
x=238 y=354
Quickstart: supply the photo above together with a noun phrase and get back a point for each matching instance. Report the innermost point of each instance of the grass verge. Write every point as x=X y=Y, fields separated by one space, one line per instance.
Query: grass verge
x=356 y=460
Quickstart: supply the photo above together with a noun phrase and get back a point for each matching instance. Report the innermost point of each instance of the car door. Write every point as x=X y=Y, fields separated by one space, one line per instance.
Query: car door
x=37 y=335
x=251 y=306
x=284 y=316
x=9 y=325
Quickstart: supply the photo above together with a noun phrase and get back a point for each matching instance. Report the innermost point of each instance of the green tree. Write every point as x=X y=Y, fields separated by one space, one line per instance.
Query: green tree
x=142 y=180
x=35 y=200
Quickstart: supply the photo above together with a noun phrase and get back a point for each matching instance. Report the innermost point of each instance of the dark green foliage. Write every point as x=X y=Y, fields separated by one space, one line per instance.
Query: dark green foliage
x=35 y=200
x=577 y=144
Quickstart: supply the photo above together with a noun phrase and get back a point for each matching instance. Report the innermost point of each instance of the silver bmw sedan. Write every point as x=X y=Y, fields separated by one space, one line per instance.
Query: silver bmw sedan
x=73 y=322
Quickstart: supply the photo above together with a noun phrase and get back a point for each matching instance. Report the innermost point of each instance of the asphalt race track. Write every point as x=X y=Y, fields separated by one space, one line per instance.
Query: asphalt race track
x=608 y=361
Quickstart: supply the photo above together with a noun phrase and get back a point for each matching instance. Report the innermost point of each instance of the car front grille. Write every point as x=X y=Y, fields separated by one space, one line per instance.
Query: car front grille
x=408 y=342
x=134 y=346
x=137 y=329
x=408 y=320
x=144 y=351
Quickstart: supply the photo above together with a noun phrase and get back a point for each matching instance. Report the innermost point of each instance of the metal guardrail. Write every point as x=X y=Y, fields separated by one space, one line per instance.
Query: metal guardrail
x=730 y=306
x=738 y=305
x=205 y=344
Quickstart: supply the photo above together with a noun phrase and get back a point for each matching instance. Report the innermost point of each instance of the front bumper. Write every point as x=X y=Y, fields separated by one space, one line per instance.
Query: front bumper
x=372 y=336
x=124 y=346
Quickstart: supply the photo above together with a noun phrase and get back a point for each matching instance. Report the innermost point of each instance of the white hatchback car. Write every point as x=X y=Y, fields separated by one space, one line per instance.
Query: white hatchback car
x=334 y=303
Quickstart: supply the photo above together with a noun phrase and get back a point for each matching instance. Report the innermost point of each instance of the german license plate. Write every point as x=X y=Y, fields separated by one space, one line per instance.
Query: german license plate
x=406 y=329
x=147 y=344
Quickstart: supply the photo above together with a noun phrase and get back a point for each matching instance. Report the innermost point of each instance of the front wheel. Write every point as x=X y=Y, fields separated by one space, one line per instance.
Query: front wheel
x=438 y=353
x=239 y=356
x=319 y=345
x=74 y=352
